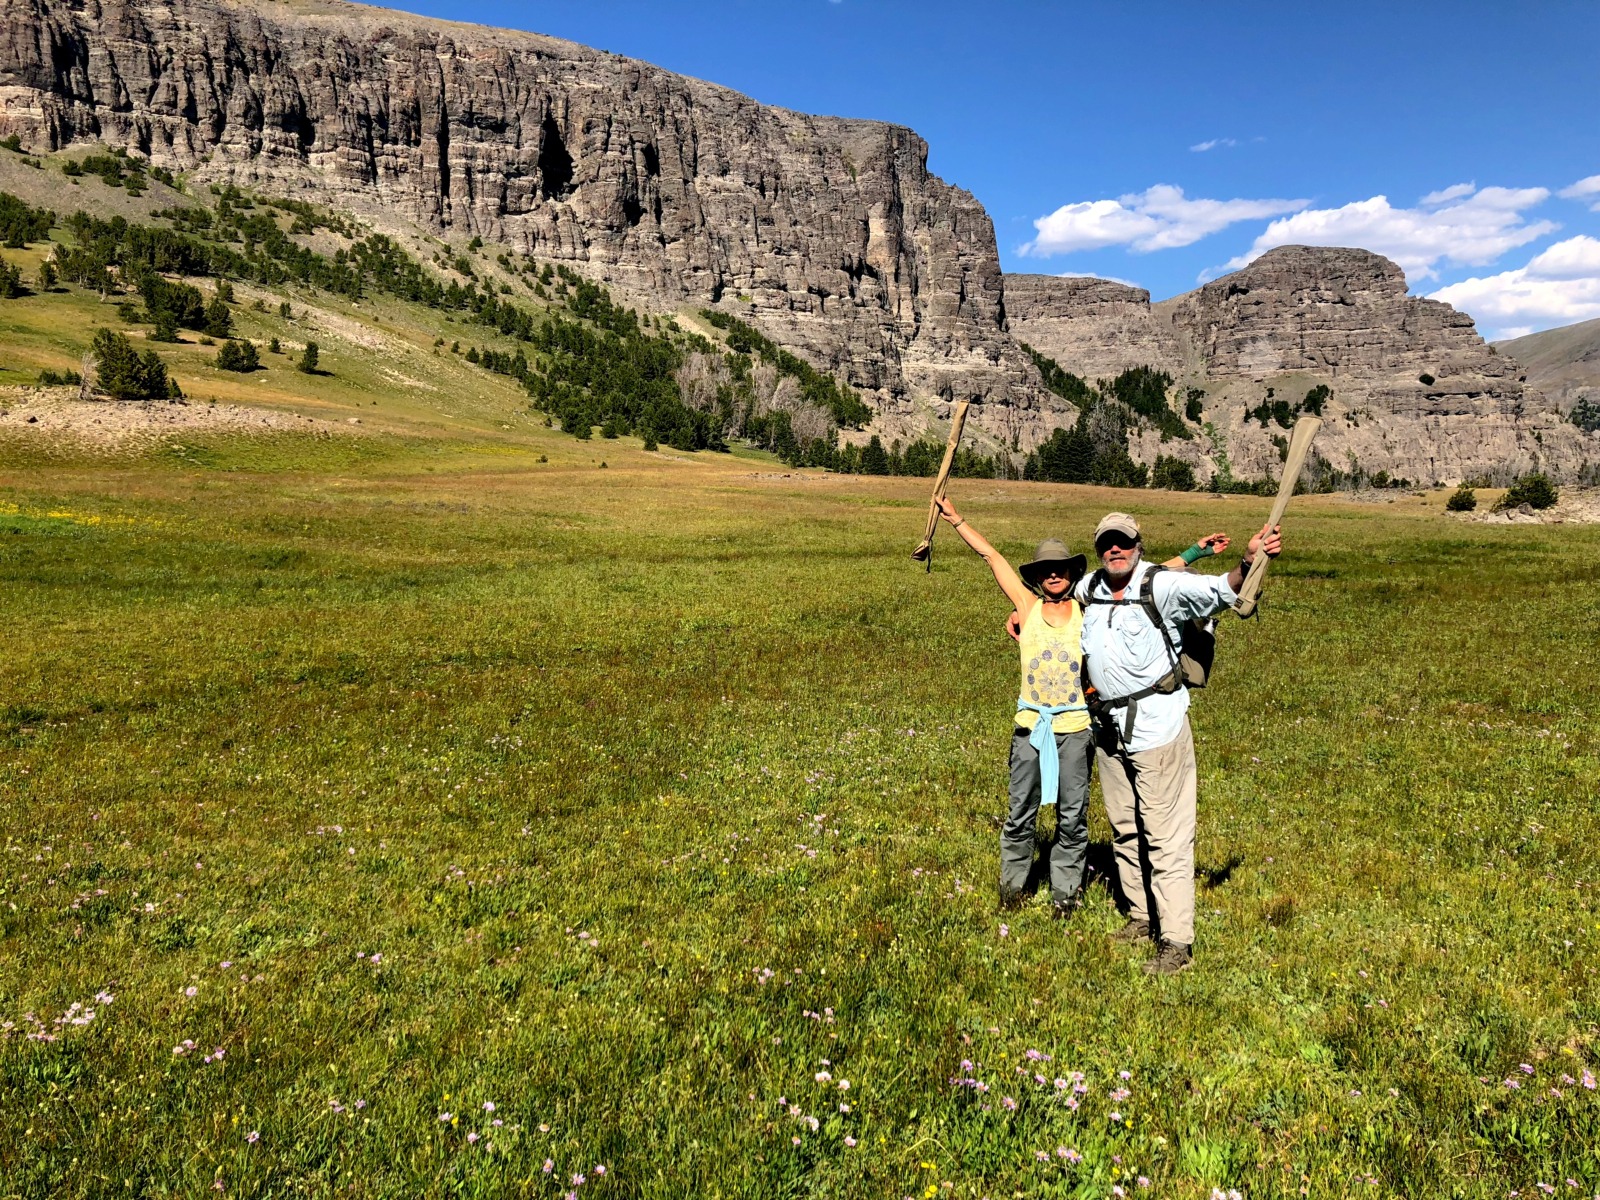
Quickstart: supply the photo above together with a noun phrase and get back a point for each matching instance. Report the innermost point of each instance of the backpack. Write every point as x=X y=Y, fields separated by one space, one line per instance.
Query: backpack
x=1190 y=660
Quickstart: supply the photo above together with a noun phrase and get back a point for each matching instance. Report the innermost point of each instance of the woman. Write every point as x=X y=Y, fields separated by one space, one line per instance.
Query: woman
x=1051 y=744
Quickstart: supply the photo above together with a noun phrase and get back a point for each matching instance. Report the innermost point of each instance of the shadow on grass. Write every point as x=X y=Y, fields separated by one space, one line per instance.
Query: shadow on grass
x=1215 y=877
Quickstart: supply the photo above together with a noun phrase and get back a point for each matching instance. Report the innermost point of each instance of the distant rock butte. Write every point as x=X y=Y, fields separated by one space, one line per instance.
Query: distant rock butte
x=1095 y=328
x=1416 y=391
x=828 y=233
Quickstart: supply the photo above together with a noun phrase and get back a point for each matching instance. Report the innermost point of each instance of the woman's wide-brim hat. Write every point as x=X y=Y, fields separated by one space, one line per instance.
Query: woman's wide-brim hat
x=1052 y=552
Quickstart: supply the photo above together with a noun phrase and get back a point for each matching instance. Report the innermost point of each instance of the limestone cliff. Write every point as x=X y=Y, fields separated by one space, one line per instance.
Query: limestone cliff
x=829 y=233
x=1416 y=391
x=1095 y=328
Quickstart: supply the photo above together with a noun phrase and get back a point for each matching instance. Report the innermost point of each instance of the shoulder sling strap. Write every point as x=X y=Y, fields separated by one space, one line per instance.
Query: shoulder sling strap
x=1168 y=683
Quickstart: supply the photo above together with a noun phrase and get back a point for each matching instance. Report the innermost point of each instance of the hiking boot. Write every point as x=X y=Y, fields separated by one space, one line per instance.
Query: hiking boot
x=1011 y=900
x=1171 y=959
x=1133 y=931
x=1062 y=908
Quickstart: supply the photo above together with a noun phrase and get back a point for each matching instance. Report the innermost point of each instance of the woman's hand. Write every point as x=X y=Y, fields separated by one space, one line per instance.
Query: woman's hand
x=1216 y=543
x=947 y=510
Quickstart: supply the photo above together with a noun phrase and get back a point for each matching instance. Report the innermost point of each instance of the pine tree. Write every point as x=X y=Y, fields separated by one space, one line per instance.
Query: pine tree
x=238 y=356
x=125 y=374
x=218 y=320
x=308 y=359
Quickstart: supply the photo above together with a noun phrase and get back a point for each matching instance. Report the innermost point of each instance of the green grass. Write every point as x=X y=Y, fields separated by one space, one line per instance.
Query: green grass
x=455 y=708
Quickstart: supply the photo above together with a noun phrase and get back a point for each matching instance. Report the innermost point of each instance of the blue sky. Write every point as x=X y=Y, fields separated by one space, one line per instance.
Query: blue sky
x=1165 y=143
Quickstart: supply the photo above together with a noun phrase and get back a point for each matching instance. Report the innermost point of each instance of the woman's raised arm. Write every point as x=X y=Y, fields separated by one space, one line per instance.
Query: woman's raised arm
x=1010 y=582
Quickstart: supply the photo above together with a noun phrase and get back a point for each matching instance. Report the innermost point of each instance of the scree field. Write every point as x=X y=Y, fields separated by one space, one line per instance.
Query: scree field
x=430 y=820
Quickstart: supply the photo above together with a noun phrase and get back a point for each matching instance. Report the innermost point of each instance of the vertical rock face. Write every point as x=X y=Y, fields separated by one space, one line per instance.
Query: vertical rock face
x=1096 y=328
x=1416 y=391
x=829 y=233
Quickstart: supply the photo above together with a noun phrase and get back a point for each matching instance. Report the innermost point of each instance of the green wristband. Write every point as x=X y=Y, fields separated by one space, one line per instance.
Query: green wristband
x=1194 y=554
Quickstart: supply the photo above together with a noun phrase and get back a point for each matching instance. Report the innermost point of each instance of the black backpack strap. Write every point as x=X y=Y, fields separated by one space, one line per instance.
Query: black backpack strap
x=1171 y=682
x=1147 y=600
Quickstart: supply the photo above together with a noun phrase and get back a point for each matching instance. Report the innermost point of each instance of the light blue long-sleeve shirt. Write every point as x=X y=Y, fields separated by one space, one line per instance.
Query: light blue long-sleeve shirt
x=1125 y=651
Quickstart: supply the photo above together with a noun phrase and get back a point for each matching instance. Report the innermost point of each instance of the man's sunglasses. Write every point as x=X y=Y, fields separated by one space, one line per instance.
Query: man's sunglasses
x=1115 y=541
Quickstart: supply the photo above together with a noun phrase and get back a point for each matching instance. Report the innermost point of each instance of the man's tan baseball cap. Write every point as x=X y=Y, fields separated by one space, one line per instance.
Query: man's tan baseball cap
x=1118 y=522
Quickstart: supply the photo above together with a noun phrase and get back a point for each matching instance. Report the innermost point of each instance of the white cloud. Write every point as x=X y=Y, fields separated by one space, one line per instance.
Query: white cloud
x=1444 y=195
x=1584 y=189
x=1159 y=218
x=1465 y=229
x=1560 y=285
x=1212 y=144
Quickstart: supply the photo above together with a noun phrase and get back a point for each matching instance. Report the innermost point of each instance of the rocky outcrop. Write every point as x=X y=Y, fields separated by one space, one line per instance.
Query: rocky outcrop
x=1416 y=392
x=1098 y=326
x=1345 y=315
x=829 y=233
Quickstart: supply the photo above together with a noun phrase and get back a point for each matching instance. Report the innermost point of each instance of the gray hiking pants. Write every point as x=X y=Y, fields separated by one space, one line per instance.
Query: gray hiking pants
x=1069 y=847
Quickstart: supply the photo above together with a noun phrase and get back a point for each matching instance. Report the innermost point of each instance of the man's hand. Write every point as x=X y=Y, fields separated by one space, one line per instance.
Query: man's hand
x=1014 y=625
x=947 y=510
x=1268 y=541
x=1216 y=543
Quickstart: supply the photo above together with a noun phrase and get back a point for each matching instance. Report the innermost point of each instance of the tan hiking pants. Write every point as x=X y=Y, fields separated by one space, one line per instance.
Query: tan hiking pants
x=1150 y=802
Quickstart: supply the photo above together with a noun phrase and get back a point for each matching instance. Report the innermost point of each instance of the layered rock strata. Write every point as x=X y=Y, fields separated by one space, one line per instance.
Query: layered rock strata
x=1096 y=328
x=829 y=233
x=1416 y=391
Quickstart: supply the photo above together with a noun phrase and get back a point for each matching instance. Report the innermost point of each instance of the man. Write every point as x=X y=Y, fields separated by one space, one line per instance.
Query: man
x=1145 y=747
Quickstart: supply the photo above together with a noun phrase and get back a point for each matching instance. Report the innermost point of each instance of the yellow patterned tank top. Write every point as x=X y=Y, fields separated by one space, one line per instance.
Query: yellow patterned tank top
x=1052 y=669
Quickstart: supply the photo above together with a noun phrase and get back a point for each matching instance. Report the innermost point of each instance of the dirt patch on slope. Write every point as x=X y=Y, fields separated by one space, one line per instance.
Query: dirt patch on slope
x=57 y=415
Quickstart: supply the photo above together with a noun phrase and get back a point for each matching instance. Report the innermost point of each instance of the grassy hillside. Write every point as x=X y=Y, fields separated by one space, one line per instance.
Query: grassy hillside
x=381 y=360
x=1565 y=364
x=1553 y=352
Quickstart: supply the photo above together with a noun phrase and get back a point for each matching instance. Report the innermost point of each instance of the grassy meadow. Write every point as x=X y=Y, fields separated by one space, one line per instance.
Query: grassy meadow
x=444 y=822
